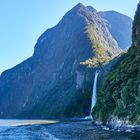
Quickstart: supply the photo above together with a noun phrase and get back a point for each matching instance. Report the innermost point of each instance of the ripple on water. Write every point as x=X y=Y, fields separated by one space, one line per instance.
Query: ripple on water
x=82 y=130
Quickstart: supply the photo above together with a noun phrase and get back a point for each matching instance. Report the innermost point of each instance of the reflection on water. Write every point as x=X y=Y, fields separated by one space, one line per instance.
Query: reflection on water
x=52 y=130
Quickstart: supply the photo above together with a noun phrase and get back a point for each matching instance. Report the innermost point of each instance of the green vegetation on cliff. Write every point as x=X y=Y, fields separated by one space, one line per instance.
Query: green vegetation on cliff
x=120 y=94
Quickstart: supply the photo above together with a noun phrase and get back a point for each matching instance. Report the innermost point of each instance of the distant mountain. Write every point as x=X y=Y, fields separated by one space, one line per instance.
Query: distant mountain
x=119 y=98
x=53 y=83
x=120 y=27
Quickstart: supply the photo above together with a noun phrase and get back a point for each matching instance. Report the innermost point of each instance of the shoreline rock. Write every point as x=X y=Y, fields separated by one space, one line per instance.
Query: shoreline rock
x=118 y=125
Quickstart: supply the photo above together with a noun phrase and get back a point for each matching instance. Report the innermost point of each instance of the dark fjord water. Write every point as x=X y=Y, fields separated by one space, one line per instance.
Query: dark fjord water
x=51 y=130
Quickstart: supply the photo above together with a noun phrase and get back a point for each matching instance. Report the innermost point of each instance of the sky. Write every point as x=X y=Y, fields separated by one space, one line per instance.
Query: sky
x=23 y=21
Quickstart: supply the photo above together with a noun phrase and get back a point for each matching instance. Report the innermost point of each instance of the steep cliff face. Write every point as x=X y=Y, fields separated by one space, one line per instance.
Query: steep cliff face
x=120 y=94
x=120 y=27
x=136 y=27
x=52 y=83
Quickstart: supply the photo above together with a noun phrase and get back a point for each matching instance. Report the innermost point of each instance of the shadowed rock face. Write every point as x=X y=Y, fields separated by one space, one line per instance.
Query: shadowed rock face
x=52 y=83
x=120 y=27
x=136 y=27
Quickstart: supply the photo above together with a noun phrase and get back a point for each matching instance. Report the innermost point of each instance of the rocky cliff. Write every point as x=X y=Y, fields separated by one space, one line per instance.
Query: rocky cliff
x=52 y=83
x=120 y=27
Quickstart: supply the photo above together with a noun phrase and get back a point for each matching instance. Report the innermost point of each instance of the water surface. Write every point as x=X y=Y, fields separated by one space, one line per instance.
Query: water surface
x=54 y=130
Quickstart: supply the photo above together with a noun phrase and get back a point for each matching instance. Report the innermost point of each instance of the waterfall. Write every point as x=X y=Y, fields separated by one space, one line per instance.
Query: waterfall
x=94 y=92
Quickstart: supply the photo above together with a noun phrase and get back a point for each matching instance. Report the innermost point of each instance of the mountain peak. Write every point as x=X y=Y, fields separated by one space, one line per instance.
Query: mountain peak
x=80 y=5
x=91 y=9
x=54 y=73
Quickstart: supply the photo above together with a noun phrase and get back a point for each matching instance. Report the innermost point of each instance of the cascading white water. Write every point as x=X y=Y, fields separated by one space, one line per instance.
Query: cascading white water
x=94 y=94
x=94 y=90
